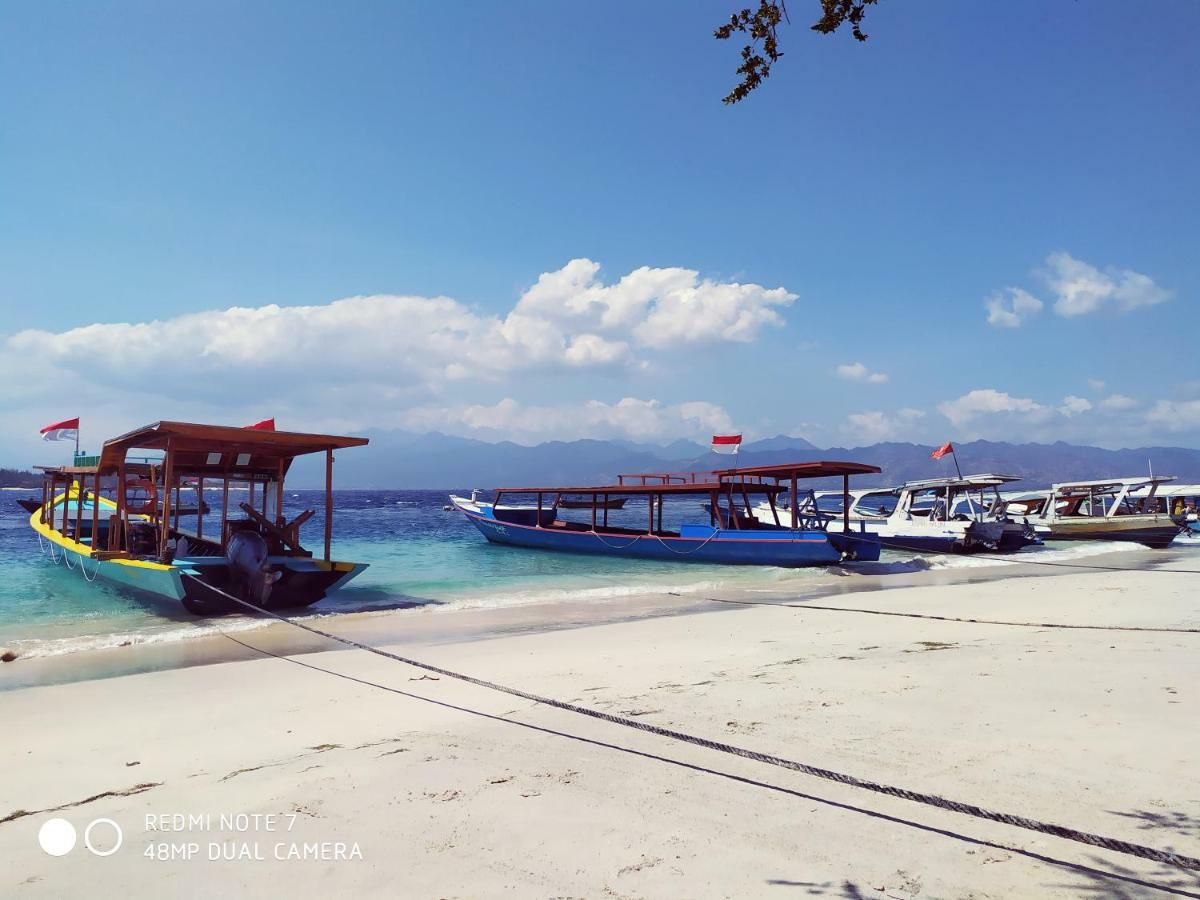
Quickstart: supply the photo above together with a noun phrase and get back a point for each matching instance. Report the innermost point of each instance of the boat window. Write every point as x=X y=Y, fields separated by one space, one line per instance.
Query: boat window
x=882 y=504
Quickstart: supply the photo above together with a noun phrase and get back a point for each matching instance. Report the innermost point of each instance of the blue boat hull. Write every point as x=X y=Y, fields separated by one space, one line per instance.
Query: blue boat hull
x=695 y=543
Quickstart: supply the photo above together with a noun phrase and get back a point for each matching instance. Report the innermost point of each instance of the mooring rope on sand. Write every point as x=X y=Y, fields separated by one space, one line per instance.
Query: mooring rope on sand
x=1165 y=857
x=936 y=618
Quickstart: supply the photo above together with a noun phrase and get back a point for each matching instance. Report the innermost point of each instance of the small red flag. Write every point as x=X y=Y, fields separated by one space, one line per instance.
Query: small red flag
x=726 y=443
x=264 y=425
x=67 y=430
x=942 y=451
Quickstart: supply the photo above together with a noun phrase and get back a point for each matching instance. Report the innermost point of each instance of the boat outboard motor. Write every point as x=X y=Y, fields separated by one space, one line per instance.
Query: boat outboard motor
x=250 y=575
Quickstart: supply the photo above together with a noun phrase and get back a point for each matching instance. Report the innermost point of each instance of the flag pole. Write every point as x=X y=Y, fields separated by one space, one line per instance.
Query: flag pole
x=954 y=453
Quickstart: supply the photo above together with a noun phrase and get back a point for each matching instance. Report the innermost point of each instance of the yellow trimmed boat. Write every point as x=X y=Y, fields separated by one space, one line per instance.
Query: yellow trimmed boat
x=135 y=539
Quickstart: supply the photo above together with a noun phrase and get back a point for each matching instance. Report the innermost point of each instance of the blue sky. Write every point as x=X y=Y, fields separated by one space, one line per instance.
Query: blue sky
x=164 y=163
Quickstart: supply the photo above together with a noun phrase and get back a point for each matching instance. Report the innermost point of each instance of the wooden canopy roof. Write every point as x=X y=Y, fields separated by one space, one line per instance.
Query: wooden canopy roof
x=787 y=471
x=221 y=449
x=748 y=479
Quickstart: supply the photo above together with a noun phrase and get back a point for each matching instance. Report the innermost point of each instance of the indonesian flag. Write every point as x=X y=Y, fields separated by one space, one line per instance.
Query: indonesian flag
x=942 y=451
x=726 y=443
x=264 y=425
x=66 y=430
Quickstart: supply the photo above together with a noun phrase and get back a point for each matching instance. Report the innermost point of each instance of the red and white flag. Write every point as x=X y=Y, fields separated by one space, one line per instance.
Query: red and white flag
x=942 y=451
x=726 y=443
x=66 y=430
x=264 y=425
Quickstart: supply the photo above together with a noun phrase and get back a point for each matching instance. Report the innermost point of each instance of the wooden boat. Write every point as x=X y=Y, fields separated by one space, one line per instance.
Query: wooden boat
x=1113 y=509
x=731 y=534
x=250 y=552
x=934 y=515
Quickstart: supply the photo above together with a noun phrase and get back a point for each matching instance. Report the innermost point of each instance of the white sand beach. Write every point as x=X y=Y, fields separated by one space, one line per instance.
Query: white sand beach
x=436 y=788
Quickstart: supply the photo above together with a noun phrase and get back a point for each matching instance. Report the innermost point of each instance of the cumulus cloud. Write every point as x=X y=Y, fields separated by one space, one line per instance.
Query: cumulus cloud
x=984 y=402
x=1175 y=415
x=1080 y=288
x=1073 y=406
x=1009 y=307
x=874 y=426
x=856 y=371
x=1118 y=402
x=569 y=320
x=630 y=418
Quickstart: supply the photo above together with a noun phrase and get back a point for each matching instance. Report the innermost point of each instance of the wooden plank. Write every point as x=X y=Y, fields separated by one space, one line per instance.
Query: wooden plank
x=846 y=504
x=200 y=507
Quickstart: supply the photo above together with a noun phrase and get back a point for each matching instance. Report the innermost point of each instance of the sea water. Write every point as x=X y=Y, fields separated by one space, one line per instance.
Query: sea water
x=421 y=558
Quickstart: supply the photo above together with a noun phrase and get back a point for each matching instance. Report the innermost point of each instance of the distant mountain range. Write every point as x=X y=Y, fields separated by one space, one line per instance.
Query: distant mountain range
x=402 y=460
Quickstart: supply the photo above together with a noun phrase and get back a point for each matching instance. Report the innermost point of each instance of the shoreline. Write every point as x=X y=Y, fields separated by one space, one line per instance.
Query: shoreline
x=450 y=789
x=422 y=624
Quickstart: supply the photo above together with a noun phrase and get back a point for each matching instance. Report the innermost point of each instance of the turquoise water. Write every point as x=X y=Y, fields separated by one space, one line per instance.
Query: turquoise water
x=421 y=558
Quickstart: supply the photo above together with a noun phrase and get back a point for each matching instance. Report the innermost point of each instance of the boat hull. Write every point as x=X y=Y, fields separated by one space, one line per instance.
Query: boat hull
x=190 y=581
x=695 y=543
x=1155 y=532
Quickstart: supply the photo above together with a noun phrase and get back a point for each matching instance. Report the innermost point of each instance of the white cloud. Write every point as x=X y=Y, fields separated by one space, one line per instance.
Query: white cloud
x=1073 y=406
x=874 y=426
x=568 y=321
x=1081 y=288
x=1008 y=308
x=1175 y=415
x=986 y=402
x=1118 y=402
x=1096 y=384
x=630 y=418
x=858 y=372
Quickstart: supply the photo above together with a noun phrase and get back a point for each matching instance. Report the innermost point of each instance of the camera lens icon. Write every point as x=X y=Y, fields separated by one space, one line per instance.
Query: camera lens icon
x=102 y=837
x=57 y=837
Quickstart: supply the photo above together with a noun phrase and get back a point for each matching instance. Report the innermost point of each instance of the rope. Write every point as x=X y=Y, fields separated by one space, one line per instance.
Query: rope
x=67 y=559
x=1161 y=856
x=83 y=569
x=699 y=546
x=1025 y=559
x=908 y=615
x=596 y=535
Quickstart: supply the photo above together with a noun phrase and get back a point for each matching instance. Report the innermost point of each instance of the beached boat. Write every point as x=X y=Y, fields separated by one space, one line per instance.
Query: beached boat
x=731 y=534
x=1180 y=501
x=1113 y=509
x=936 y=515
x=136 y=538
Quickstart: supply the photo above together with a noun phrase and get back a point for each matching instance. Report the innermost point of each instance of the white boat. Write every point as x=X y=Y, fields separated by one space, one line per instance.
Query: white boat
x=936 y=515
x=1180 y=501
x=1111 y=509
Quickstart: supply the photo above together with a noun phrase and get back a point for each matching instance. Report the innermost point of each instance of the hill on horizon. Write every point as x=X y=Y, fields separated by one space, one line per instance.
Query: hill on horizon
x=402 y=460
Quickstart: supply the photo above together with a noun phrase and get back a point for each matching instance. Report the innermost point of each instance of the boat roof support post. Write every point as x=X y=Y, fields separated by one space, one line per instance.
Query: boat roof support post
x=95 y=509
x=845 y=504
x=774 y=511
x=537 y=524
x=794 y=503
x=594 y=511
x=168 y=478
x=200 y=507
x=224 y=506
x=78 y=482
x=45 y=491
x=53 y=484
x=660 y=507
x=328 y=503
x=279 y=495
